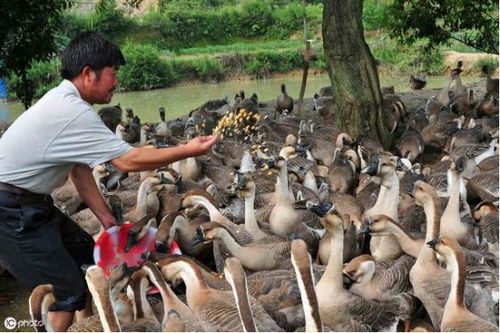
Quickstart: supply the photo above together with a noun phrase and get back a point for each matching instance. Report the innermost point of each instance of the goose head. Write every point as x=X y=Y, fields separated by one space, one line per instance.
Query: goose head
x=458 y=164
x=360 y=269
x=207 y=231
x=190 y=199
x=243 y=185
x=378 y=225
x=445 y=246
x=423 y=193
x=484 y=208
x=381 y=166
x=319 y=209
x=333 y=222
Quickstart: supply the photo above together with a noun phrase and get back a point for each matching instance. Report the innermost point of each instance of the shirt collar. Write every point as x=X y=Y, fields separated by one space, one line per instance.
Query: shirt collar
x=68 y=85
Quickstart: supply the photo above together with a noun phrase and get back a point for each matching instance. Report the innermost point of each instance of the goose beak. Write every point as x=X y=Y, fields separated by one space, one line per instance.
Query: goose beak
x=365 y=229
x=131 y=241
x=460 y=165
x=400 y=166
x=161 y=247
x=347 y=280
x=372 y=169
x=198 y=238
x=432 y=244
x=409 y=189
x=165 y=180
x=319 y=210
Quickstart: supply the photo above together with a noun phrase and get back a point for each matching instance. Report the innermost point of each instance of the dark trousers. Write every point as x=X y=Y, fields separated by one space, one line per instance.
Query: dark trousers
x=41 y=245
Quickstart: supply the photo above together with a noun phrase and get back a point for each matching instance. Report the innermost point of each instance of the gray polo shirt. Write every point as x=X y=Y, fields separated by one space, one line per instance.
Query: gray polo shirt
x=41 y=147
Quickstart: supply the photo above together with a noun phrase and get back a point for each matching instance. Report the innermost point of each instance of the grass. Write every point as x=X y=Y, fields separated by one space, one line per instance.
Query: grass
x=242 y=47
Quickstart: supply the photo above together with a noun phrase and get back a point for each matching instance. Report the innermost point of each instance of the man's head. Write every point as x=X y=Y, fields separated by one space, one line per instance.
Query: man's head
x=91 y=63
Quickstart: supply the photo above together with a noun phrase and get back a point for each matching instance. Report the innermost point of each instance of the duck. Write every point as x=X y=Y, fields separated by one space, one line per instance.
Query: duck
x=283 y=102
x=339 y=308
x=456 y=317
x=418 y=82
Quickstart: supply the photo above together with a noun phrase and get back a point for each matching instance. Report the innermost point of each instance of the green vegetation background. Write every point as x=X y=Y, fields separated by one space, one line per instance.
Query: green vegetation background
x=214 y=40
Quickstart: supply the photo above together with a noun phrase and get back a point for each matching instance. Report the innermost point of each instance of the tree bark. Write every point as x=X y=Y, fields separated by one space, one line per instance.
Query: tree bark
x=352 y=71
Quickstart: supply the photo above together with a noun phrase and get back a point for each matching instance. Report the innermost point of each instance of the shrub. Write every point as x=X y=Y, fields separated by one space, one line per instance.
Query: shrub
x=144 y=69
x=491 y=62
x=43 y=74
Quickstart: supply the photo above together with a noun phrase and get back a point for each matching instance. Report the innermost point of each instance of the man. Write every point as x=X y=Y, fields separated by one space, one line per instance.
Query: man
x=61 y=135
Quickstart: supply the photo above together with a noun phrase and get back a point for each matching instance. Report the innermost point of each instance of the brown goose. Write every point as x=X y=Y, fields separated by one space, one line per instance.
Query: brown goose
x=253 y=256
x=486 y=213
x=456 y=317
x=283 y=102
x=215 y=307
x=491 y=84
x=341 y=309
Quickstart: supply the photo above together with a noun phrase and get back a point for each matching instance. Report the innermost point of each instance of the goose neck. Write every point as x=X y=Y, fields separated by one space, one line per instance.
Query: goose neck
x=333 y=270
x=457 y=263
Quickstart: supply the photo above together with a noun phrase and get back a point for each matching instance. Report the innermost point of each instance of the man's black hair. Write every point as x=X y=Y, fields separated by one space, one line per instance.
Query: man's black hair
x=89 y=49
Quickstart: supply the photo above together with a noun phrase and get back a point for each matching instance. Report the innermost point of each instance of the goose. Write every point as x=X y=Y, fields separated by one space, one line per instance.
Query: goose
x=253 y=256
x=147 y=200
x=174 y=323
x=429 y=280
x=144 y=318
x=341 y=173
x=235 y=276
x=181 y=229
x=341 y=309
x=40 y=299
x=188 y=168
x=162 y=128
x=326 y=108
x=456 y=317
x=379 y=279
x=283 y=102
x=451 y=224
x=491 y=84
x=384 y=247
x=215 y=307
x=486 y=213
x=352 y=245
x=484 y=186
x=301 y=261
x=66 y=197
x=458 y=89
x=411 y=144
x=382 y=225
x=276 y=290
x=417 y=82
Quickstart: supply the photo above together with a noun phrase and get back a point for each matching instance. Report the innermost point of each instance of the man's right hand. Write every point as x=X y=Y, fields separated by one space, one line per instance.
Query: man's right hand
x=200 y=145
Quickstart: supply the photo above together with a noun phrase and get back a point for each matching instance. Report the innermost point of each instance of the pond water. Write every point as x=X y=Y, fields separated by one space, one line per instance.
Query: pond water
x=179 y=100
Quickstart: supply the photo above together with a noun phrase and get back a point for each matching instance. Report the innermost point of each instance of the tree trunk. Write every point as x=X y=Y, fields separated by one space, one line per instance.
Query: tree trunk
x=352 y=71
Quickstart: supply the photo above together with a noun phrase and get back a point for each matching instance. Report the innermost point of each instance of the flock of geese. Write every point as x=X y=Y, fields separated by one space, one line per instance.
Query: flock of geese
x=305 y=228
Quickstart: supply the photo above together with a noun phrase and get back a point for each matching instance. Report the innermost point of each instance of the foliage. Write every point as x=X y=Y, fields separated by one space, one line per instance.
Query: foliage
x=474 y=23
x=375 y=14
x=44 y=75
x=491 y=62
x=26 y=35
x=144 y=69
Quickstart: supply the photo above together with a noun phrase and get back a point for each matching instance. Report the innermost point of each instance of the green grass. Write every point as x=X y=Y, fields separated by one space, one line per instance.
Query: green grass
x=242 y=47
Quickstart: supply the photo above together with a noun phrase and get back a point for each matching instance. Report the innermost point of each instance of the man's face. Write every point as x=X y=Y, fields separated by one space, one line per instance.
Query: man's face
x=101 y=86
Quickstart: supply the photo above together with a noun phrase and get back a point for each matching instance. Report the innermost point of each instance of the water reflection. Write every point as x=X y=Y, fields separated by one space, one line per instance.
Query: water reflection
x=181 y=99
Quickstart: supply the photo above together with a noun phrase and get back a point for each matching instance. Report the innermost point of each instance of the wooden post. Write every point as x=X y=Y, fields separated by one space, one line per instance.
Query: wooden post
x=307 y=56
